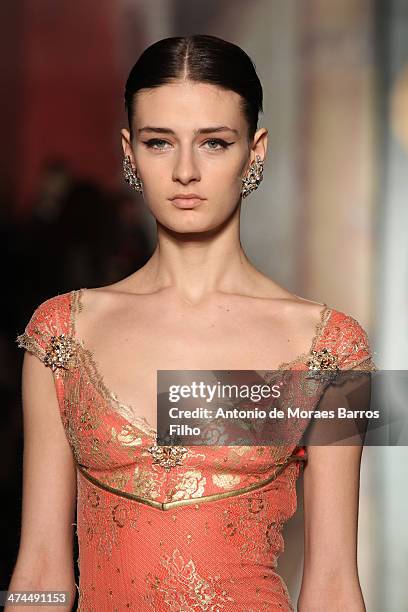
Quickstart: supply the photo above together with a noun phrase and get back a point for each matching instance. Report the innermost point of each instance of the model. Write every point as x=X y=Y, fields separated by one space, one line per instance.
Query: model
x=166 y=528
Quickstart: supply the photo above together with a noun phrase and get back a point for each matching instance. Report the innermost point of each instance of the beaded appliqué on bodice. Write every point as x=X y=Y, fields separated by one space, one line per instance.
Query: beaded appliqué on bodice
x=60 y=352
x=322 y=364
x=167 y=456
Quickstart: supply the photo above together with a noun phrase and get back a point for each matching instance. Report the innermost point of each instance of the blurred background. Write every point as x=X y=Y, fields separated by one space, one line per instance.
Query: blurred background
x=330 y=221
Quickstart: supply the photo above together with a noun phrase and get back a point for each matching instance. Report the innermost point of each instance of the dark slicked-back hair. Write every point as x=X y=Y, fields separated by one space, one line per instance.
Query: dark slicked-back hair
x=202 y=59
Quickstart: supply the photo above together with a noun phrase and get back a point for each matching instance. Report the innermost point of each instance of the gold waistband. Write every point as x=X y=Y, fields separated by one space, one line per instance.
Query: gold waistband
x=188 y=502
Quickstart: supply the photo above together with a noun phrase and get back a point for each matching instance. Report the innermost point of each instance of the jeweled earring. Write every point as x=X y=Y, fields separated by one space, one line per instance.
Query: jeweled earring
x=253 y=177
x=130 y=177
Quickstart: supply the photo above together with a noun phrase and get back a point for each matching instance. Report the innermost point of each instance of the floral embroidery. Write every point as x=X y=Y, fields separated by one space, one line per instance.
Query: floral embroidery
x=184 y=588
x=103 y=518
x=226 y=481
x=254 y=523
x=145 y=483
x=191 y=484
x=128 y=436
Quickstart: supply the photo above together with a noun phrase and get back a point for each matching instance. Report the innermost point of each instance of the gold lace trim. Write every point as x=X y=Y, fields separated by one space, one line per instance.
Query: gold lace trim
x=365 y=365
x=29 y=343
x=92 y=370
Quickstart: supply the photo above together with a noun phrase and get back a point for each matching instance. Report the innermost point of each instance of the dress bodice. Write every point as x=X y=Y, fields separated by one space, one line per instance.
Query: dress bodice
x=117 y=449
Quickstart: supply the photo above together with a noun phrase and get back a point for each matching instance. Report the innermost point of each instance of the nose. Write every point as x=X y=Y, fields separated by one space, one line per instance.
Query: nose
x=185 y=168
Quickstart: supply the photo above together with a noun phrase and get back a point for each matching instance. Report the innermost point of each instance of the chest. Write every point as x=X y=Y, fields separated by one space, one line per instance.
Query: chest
x=127 y=352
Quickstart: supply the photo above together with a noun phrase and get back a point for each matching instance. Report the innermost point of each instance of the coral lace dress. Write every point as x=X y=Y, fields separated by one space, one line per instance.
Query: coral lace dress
x=164 y=532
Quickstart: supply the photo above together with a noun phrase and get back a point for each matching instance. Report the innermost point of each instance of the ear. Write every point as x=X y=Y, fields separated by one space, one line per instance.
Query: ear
x=259 y=145
x=126 y=146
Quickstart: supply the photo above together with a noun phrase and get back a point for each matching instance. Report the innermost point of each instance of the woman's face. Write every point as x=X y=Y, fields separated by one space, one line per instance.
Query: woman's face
x=191 y=138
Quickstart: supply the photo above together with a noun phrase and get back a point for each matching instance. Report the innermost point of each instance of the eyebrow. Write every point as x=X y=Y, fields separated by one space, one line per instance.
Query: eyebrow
x=206 y=130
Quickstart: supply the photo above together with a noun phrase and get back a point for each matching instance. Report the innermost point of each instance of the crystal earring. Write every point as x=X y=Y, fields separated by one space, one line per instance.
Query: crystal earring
x=253 y=177
x=130 y=177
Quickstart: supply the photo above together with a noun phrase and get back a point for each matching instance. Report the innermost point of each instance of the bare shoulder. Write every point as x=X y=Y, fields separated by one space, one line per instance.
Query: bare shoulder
x=100 y=299
x=298 y=314
x=103 y=306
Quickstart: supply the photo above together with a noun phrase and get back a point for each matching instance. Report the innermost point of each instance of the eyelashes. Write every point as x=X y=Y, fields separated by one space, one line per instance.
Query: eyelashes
x=154 y=143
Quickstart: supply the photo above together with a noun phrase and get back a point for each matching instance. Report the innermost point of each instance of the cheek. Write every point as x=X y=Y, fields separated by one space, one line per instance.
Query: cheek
x=155 y=175
x=227 y=171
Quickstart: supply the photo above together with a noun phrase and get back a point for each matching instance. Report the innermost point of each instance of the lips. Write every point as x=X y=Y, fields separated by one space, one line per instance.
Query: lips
x=190 y=200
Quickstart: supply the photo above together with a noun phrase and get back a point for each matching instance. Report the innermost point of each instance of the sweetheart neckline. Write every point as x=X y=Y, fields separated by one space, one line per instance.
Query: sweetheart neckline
x=75 y=303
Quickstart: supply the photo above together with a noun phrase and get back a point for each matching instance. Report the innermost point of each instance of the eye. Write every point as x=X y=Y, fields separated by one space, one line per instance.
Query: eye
x=156 y=143
x=219 y=144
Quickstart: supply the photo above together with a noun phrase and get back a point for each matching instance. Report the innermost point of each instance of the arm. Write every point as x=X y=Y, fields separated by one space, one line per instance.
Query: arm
x=330 y=581
x=45 y=557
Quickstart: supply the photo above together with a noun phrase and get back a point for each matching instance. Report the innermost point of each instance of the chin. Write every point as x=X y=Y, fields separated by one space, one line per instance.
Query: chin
x=191 y=225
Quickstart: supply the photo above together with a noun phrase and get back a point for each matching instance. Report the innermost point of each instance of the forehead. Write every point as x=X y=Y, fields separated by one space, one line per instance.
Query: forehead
x=187 y=104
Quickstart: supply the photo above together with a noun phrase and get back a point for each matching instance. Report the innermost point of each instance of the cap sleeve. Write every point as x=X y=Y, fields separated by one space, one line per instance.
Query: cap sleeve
x=47 y=333
x=349 y=341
